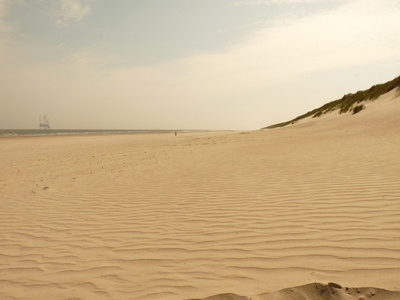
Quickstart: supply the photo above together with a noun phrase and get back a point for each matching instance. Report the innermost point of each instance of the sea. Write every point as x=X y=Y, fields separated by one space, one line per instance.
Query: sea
x=44 y=132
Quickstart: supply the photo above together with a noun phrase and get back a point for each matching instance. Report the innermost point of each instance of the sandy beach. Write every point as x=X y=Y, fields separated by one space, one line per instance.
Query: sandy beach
x=159 y=216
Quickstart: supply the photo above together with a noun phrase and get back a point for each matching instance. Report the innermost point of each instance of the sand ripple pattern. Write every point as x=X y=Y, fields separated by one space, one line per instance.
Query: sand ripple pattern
x=133 y=217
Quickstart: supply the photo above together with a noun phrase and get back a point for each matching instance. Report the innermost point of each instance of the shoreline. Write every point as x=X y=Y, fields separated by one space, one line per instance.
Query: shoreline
x=139 y=132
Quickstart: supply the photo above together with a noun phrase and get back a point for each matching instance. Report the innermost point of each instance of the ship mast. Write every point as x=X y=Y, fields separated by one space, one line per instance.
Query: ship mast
x=45 y=124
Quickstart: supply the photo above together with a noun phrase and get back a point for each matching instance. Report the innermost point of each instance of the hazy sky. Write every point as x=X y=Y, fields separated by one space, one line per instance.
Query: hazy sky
x=188 y=64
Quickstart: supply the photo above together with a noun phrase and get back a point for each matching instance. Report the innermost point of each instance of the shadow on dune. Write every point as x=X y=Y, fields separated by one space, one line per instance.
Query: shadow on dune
x=317 y=291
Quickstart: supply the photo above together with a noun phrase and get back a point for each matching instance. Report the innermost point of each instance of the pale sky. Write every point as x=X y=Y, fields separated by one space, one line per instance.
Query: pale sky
x=188 y=64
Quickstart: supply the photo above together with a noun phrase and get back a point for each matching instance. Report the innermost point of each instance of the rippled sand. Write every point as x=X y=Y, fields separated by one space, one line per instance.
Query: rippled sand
x=159 y=216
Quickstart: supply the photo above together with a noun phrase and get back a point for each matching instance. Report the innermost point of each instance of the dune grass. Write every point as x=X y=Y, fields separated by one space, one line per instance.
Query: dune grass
x=348 y=103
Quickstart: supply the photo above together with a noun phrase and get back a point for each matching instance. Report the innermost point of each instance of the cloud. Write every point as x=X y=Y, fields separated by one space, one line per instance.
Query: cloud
x=352 y=34
x=257 y=2
x=2 y=14
x=6 y=29
x=5 y=6
x=67 y=12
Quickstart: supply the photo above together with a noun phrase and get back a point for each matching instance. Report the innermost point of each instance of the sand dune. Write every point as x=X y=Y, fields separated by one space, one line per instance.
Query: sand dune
x=162 y=217
x=317 y=291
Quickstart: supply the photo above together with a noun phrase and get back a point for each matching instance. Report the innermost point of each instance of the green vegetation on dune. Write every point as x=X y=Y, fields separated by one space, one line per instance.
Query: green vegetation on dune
x=348 y=103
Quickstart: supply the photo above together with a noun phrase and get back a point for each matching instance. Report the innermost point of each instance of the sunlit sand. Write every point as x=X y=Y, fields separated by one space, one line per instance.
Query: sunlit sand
x=159 y=216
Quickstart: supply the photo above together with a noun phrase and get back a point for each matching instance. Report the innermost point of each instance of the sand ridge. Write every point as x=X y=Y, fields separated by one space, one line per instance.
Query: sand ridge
x=317 y=291
x=164 y=217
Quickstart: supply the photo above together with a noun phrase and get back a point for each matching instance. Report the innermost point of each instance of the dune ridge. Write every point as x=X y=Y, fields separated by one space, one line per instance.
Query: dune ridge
x=154 y=216
x=353 y=103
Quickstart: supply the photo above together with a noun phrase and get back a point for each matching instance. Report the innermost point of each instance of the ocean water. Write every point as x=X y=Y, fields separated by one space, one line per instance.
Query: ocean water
x=42 y=132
